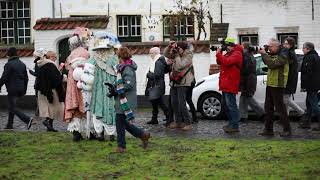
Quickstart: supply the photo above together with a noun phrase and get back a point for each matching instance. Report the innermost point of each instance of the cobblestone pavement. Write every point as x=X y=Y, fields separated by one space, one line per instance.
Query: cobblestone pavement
x=203 y=129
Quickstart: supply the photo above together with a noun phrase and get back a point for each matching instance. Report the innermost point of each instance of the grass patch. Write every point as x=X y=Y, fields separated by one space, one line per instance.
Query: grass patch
x=26 y=155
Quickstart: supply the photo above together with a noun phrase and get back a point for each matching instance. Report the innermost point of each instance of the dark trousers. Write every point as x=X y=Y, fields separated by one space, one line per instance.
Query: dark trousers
x=274 y=100
x=170 y=110
x=178 y=103
x=189 y=100
x=12 y=103
x=122 y=125
x=312 y=105
x=155 y=107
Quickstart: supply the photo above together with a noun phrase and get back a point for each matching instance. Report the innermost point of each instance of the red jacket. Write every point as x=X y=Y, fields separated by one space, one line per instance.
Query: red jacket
x=230 y=67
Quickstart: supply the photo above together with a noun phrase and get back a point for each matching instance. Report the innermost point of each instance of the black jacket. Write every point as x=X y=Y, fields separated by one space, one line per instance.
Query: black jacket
x=15 y=77
x=157 y=77
x=49 y=78
x=293 y=72
x=248 y=79
x=310 y=71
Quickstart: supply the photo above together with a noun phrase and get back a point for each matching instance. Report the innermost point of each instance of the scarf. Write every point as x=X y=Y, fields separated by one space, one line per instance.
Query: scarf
x=150 y=68
x=124 y=105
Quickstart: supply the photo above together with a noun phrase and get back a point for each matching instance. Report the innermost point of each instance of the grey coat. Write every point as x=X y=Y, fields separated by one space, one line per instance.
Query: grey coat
x=129 y=79
x=181 y=62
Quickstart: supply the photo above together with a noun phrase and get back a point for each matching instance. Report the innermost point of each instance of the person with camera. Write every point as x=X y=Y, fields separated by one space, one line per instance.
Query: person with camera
x=310 y=82
x=278 y=69
x=181 y=77
x=248 y=84
x=289 y=47
x=155 y=79
x=230 y=67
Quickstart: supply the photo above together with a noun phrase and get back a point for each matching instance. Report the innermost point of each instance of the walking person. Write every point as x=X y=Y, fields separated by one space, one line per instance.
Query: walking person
x=230 y=67
x=50 y=91
x=155 y=79
x=125 y=94
x=181 y=79
x=15 y=77
x=289 y=45
x=278 y=68
x=310 y=82
x=248 y=84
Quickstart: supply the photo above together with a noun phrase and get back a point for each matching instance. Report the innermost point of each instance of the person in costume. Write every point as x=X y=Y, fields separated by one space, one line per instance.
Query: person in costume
x=74 y=112
x=104 y=60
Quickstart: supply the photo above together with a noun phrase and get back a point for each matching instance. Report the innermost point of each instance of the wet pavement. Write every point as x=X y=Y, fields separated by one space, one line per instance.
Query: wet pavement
x=203 y=129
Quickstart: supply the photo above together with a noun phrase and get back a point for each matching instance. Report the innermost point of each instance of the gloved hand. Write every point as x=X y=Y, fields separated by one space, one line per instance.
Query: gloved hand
x=112 y=90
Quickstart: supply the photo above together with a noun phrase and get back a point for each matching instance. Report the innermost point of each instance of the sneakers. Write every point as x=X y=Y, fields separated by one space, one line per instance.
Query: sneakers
x=228 y=129
x=30 y=123
x=187 y=128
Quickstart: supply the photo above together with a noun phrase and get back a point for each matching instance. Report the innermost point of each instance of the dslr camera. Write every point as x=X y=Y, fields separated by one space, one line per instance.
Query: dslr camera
x=223 y=45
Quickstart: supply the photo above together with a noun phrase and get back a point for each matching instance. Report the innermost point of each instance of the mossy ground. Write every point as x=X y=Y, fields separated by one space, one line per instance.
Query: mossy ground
x=26 y=155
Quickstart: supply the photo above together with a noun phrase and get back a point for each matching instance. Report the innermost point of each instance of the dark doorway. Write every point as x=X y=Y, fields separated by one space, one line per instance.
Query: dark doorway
x=64 y=50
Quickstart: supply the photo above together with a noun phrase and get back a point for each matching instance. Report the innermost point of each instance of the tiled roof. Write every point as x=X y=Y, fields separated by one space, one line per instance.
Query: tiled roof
x=93 y=22
x=22 y=52
x=139 y=48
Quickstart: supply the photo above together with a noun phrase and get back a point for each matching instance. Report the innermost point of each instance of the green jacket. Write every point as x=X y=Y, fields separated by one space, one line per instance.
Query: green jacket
x=278 y=70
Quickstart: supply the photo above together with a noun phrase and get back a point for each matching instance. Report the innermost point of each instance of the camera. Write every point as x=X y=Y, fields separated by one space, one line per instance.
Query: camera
x=223 y=45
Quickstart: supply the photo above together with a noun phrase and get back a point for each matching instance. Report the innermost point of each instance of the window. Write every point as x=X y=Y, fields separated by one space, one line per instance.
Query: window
x=129 y=28
x=283 y=36
x=183 y=28
x=251 y=38
x=15 y=22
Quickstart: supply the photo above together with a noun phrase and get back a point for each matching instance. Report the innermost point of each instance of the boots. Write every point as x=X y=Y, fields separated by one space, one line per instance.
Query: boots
x=317 y=128
x=10 y=122
x=77 y=136
x=306 y=124
x=49 y=124
x=145 y=139
x=154 y=120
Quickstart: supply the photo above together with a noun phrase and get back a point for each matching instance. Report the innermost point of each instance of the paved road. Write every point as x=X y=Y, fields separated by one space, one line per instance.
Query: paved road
x=203 y=129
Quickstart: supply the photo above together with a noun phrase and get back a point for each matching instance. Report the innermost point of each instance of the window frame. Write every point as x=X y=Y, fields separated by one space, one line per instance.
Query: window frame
x=129 y=36
x=179 y=35
x=288 y=35
x=18 y=37
x=249 y=36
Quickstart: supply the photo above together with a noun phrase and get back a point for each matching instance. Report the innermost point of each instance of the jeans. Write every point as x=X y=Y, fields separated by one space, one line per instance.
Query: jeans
x=246 y=101
x=274 y=100
x=229 y=105
x=312 y=105
x=288 y=101
x=178 y=103
x=12 y=103
x=122 y=125
x=155 y=107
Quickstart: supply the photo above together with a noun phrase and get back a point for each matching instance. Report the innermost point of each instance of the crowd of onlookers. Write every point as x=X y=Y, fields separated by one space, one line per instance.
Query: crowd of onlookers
x=96 y=93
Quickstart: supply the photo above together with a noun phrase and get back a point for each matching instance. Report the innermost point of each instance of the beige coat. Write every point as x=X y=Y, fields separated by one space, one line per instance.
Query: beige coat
x=180 y=62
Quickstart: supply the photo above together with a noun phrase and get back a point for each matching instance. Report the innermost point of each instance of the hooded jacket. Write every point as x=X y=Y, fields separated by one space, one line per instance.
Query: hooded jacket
x=128 y=73
x=15 y=77
x=310 y=71
x=293 y=72
x=230 y=67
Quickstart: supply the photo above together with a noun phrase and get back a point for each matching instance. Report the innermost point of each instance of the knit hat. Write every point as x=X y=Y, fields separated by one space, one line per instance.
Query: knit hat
x=229 y=41
x=40 y=52
x=104 y=40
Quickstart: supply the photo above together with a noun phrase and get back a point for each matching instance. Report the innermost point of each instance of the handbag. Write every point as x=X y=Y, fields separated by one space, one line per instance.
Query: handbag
x=154 y=93
x=177 y=77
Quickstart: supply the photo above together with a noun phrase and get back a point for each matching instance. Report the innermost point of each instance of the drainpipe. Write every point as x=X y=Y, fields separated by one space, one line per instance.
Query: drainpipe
x=53 y=8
